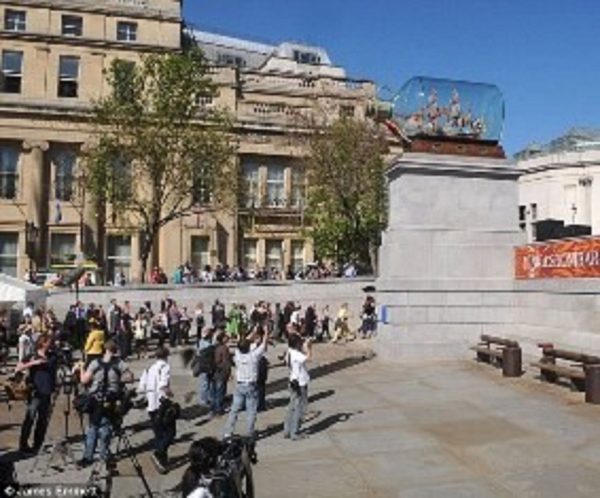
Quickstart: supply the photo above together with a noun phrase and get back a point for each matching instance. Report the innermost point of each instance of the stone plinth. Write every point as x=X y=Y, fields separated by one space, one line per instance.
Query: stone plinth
x=447 y=257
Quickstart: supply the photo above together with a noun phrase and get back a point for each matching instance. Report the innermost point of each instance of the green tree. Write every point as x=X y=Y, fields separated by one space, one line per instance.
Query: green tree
x=158 y=151
x=346 y=197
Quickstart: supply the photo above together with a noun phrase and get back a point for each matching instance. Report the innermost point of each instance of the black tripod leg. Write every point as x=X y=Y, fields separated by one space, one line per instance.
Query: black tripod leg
x=136 y=464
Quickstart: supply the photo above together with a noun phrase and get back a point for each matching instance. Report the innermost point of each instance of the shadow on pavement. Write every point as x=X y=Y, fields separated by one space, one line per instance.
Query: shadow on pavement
x=322 y=370
x=328 y=422
x=283 y=401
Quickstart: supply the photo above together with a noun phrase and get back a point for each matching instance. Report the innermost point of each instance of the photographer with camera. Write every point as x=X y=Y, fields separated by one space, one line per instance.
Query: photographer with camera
x=156 y=382
x=246 y=362
x=105 y=377
x=299 y=353
x=42 y=367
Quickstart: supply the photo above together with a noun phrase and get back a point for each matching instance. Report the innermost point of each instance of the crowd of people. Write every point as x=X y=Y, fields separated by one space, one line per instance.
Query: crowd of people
x=225 y=342
x=188 y=274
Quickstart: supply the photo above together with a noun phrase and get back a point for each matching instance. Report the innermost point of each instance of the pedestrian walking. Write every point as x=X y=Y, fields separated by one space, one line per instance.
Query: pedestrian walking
x=157 y=385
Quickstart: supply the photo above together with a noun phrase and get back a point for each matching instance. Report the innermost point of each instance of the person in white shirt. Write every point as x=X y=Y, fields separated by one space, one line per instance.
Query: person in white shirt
x=246 y=394
x=295 y=316
x=25 y=346
x=156 y=382
x=298 y=354
x=28 y=310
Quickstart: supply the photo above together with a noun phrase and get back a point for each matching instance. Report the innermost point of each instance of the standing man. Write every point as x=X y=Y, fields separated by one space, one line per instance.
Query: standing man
x=246 y=363
x=310 y=320
x=206 y=356
x=222 y=373
x=158 y=387
x=174 y=329
x=42 y=371
x=105 y=376
x=299 y=353
x=218 y=317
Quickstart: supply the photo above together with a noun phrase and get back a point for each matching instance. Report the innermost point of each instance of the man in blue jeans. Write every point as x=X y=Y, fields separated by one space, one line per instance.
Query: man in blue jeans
x=104 y=376
x=246 y=366
x=205 y=386
x=298 y=354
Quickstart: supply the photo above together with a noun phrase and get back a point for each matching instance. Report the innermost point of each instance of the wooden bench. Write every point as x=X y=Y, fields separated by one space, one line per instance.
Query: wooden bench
x=551 y=371
x=490 y=349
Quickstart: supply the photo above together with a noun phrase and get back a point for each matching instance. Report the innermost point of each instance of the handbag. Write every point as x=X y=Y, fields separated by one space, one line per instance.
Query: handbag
x=17 y=388
x=84 y=403
x=168 y=411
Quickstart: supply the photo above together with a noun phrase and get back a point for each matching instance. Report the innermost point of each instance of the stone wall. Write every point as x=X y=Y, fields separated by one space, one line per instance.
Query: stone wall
x=332 y=292
x=443 y=322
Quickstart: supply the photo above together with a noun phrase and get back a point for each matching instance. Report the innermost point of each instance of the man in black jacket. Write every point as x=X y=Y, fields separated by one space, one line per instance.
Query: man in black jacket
x=42 y=371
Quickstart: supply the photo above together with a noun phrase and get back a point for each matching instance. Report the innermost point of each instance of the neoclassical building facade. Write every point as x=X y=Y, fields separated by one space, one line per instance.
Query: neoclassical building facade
x=53 y=54
x=561 y=181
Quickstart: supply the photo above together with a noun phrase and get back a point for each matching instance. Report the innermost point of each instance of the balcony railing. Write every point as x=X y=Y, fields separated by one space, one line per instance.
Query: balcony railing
x=276 y=84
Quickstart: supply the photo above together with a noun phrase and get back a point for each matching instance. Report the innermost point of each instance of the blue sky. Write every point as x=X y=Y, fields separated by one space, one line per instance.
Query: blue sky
x=543 y=54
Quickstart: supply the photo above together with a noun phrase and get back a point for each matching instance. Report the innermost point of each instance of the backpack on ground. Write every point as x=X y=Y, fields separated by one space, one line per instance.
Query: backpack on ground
x=204 y=361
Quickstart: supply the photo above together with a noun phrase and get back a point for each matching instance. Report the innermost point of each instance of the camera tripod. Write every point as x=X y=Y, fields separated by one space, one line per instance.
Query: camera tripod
x=123 y=443
x=60 y=448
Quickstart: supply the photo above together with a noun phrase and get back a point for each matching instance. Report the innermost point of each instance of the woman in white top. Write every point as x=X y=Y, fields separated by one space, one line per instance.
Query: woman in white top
x=298 y=354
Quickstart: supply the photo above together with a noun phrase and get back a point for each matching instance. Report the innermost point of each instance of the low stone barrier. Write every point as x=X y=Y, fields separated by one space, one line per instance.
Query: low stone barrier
x=332 y=292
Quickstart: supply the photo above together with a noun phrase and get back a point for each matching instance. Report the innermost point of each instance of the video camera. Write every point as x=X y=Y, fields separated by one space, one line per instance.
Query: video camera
x=220 y=469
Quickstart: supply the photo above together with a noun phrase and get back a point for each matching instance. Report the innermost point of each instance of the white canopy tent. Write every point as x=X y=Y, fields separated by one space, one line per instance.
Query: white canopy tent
x=18 y=292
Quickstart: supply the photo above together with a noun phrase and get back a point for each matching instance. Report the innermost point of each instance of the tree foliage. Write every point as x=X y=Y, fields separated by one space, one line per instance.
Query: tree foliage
x=158 y=150
x=346 y=190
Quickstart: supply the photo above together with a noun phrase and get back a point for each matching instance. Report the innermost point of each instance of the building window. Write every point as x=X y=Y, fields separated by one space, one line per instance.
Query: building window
x=118 y=258
x=306 y=57
x=522 y=217
x=249 y=256
x=231 y=60
x=9 y=251
x=201 y=188
x=9 y=162
x=62 y=248
x=64 y=174
x=274 y=250
x=200 y=252
x=126 y=31
x=275 y=185
x=298 y=187
x=124 y=80
x=297 y=255
x=534 y=213
x=12 y=63
x=68 y=75
x=15 y=20
x=347 y=111
x=72 y=25
x=251 y=185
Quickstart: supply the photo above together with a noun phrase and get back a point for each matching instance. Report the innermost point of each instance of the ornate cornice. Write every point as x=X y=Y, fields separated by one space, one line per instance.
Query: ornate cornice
x=82 y=41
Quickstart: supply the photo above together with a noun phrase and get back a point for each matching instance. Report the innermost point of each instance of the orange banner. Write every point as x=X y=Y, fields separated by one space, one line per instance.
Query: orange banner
x=572 y=258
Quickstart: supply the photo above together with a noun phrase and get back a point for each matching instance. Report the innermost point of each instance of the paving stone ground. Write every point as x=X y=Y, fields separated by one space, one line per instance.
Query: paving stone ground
x=456 y=429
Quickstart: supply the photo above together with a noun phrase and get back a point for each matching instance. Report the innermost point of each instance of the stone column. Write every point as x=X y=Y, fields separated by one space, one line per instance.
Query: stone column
x=35 y=196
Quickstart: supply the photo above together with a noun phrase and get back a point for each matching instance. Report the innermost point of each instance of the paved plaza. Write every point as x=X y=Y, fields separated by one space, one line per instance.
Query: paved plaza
x=456 y=429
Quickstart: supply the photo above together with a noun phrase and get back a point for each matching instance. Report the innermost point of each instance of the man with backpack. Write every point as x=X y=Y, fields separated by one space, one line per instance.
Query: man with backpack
x=105 y=376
